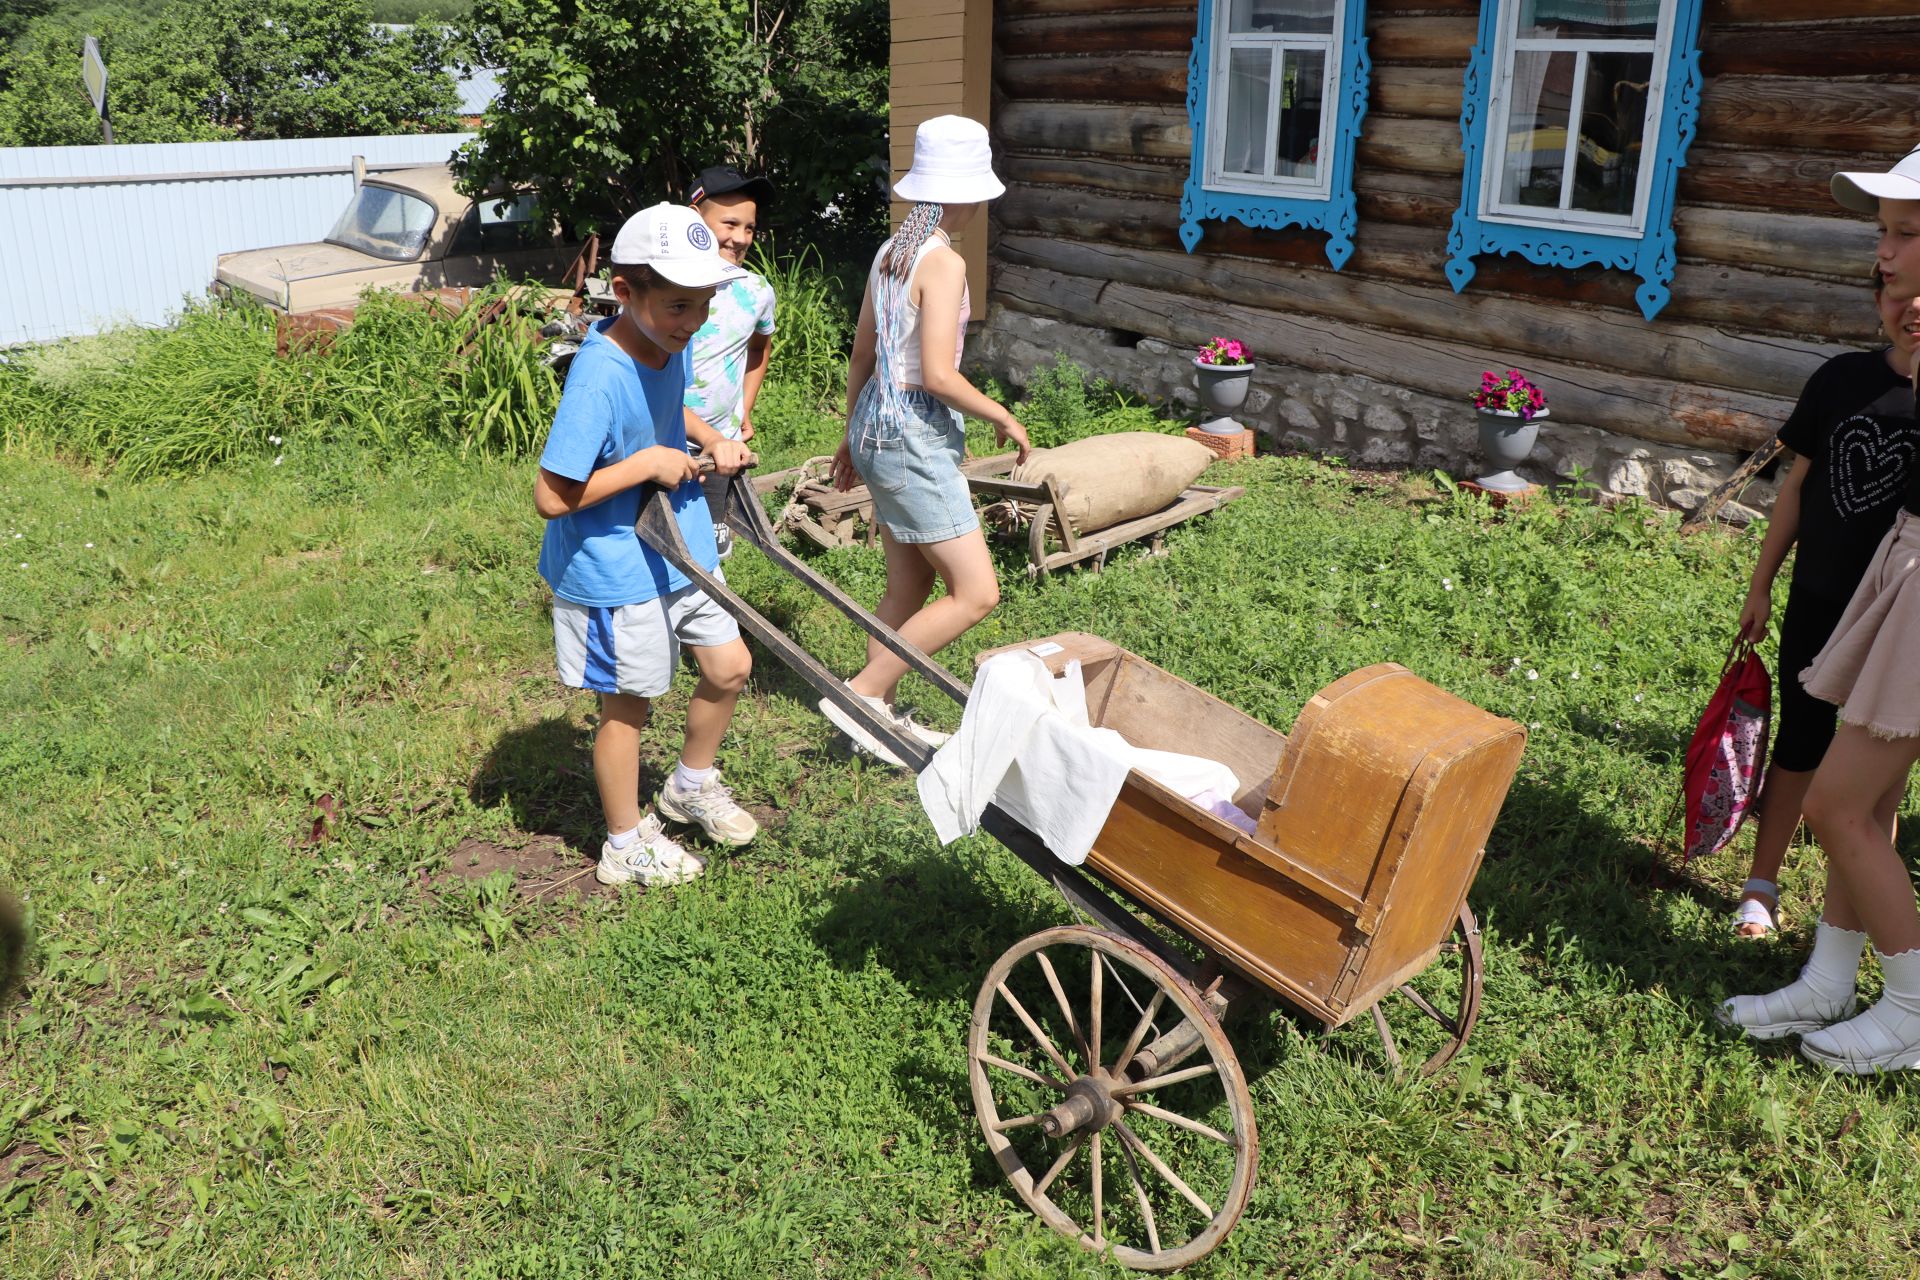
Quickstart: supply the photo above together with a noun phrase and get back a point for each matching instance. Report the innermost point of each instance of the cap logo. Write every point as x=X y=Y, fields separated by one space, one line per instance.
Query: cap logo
x=700 y=237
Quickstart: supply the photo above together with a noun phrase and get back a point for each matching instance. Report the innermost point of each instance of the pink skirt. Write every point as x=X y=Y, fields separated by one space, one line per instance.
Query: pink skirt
x=1870 y=667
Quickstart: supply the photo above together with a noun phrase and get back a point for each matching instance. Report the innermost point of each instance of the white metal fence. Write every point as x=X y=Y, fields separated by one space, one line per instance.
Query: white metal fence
x=96 y=236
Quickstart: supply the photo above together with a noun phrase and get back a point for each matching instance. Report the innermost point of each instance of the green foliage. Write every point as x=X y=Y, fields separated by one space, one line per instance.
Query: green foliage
x=236 y=1054
x=1061 y=404
x=211 y=390
x=612 y=107
x=202 y=70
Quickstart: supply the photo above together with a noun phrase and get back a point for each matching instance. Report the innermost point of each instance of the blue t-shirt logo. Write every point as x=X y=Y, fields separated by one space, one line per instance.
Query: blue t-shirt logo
x=700 y=238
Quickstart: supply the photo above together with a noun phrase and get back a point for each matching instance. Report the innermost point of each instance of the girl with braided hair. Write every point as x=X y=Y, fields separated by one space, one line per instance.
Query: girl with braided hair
x=905 y=398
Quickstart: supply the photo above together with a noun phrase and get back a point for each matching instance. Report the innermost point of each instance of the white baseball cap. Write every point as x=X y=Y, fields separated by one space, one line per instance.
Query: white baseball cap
x=952 y=164
x=672 y=239
x=1862 y=192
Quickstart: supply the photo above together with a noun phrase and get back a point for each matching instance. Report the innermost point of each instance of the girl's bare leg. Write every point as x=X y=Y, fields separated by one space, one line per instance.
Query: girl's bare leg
x=1780 y=800
x=1850 y=808
x=973 y=589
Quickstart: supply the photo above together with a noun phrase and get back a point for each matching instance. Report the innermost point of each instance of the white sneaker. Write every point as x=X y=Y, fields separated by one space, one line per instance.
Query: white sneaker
x=914 y=729
x=710 y=807
x=1884 y=1038
x=1794 y=1008
x=863 y=741
x=649 y=859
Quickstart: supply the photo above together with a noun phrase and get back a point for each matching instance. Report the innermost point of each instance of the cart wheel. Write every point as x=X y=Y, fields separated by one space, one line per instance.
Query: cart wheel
x=1111 y=1098
x=1434 y=1013
x=1037 y=538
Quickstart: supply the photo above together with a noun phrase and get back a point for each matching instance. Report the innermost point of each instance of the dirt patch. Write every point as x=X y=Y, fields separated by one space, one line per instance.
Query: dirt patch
x=544 y=869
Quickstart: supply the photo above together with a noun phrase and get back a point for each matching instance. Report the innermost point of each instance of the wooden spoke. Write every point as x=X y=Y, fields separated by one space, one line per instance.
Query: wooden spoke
x=1019 y=1122
x=1386 y=1037
x=1053 y=1170
x=1421 y=1003
x=1033 y=1029
x=1099 y=1215
x=1024 y=1073
x=1132 y=1139
x=1174 y=1117
x=1139 y=1032
x=1097 y=999
x=1140 y=1198
x=1066 y=1010
x=1161 y=1082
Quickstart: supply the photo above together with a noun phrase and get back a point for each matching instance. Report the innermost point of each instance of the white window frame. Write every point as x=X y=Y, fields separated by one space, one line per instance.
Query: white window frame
x=1279 y=45
x=1494 y=170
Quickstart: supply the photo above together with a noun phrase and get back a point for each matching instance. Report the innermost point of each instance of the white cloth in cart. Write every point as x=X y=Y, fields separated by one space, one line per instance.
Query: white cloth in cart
x=1026 y=744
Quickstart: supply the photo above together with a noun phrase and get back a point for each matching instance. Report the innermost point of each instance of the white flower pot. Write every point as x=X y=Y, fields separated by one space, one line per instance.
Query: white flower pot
x=1223 y=389
x=1505 y=441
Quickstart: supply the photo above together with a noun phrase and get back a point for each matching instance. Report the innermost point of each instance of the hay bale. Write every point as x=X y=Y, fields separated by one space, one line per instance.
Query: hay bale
x=1104 y=480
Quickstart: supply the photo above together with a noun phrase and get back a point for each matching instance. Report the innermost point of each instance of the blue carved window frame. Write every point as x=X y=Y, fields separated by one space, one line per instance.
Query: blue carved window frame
x=1335 y=212
x=1648 y=252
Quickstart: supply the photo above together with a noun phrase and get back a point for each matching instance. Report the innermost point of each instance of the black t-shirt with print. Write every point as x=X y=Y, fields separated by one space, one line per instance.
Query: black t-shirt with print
x=1855 y=426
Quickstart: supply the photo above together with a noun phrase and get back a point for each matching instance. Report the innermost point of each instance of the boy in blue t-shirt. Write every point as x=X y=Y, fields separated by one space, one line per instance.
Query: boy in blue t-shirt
x=730 y=352
x=620 y=612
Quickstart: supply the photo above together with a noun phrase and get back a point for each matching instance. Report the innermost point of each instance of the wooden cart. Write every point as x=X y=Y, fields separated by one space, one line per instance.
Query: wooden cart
x=1104 y=1082
x=829 y=518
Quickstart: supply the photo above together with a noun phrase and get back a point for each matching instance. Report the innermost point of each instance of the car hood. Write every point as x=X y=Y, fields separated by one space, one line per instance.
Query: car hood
x=268 y=272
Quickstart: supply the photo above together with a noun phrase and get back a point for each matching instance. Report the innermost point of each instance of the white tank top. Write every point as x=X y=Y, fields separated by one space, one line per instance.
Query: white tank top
x=909 y=364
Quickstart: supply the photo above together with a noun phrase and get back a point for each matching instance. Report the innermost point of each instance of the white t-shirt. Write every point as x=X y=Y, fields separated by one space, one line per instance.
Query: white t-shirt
x=740 y=310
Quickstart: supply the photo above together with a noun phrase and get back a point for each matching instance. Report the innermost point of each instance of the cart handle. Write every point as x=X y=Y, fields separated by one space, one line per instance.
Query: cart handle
x=658 y=529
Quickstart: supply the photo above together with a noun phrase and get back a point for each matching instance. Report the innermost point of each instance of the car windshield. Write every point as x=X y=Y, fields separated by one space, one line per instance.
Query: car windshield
x=385 y=223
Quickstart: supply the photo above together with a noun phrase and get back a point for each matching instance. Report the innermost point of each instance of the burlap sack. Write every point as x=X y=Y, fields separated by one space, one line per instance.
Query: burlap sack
x=1104 y=480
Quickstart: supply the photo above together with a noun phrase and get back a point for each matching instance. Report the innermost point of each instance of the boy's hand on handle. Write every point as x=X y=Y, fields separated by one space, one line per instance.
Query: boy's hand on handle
x=1012 y=430
x=1754 y=615
x=667 y=467
x=730 y=457
x=844 y=476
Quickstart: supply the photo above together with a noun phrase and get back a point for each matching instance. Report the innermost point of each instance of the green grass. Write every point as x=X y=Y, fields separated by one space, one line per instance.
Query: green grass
x=240 y=1054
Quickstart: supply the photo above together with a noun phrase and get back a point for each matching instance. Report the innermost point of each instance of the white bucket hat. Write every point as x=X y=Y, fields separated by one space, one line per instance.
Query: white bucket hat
x=952 y=164
x=675 y=242
x=1862 y=192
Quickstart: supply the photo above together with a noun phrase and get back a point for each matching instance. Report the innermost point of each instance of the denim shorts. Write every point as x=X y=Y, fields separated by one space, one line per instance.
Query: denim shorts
x=909 y=453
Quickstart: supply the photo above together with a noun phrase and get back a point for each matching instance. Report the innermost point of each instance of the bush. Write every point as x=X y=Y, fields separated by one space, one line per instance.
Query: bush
x=1061 y=405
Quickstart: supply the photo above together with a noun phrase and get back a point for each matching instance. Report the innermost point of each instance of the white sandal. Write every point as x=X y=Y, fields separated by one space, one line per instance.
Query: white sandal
x=1753 y=911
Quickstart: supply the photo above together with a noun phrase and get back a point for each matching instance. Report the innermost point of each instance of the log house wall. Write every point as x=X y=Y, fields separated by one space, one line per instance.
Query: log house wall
x=1091 y=129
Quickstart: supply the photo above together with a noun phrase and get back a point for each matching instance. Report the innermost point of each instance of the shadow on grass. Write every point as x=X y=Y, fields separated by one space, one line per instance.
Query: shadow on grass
x=542 y=774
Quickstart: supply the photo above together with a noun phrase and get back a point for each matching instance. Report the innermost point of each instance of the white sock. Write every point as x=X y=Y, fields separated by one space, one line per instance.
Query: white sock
x=1834 y=967
x=685 y=779
x=1902 y=974
x=621 y=839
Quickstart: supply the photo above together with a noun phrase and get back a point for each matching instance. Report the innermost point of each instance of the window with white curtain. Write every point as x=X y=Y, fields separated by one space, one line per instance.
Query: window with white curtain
x=1275 y=72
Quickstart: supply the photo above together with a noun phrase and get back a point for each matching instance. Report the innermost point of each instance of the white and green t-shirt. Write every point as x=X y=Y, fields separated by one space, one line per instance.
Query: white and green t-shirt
x=740 y=310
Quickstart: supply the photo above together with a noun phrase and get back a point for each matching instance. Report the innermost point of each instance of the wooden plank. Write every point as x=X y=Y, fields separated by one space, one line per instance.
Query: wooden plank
x=1775 y=112
x=1141 y=178
x=1838 y=246
x=1442 y=39
x=1412 y=146
x=1103 y=130
x=1783 y=181
x=1822 y=51
x=920 y=95
x=1524 y=326
x=1428 y=92
x=1154 y=30
x=911 y=52
x=953 y=71
x=1709 y=294
x=1646 y=408
x=1041 y=8
x=1720 y=12
x=1142 y=77
x=899 y=9
x=931 y=26
x=907 y=118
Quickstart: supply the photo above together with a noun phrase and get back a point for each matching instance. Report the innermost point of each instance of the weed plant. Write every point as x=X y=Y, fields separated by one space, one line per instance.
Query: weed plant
x=238 y=1052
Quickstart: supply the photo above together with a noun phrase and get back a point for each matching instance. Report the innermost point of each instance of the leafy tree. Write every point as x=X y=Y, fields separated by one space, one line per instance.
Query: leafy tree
x=610 y=105
x=201 y=70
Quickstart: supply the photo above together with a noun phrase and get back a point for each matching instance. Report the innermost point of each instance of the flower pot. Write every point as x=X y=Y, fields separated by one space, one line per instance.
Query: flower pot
x=1505 y=441
x=1223 y=389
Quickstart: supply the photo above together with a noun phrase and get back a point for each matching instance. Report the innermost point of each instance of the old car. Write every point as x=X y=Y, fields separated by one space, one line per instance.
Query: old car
x=408 y=230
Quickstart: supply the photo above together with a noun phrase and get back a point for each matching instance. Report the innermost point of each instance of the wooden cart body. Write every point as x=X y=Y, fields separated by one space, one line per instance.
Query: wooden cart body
x=1373 y=817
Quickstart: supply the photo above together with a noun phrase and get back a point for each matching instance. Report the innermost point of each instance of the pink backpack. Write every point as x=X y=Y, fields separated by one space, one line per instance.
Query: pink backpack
x=1728 y=755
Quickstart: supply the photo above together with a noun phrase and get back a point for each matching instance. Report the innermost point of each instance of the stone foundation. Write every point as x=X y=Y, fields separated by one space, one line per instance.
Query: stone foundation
x=1367 y=422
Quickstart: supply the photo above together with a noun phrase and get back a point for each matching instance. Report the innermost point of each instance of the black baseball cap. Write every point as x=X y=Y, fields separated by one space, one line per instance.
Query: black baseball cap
x=725 y=180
